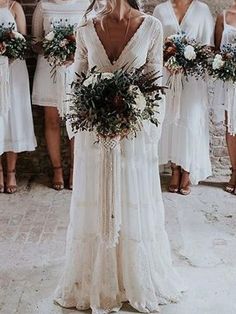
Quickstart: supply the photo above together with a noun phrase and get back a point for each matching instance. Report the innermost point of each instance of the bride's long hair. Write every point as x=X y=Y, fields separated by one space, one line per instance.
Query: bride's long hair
x=112 y=4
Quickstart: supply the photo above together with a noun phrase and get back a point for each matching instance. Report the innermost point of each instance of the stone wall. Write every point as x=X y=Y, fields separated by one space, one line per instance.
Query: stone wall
x=38 y=161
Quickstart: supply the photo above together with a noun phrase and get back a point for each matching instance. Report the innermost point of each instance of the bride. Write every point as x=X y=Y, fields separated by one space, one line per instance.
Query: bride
x=137 y=268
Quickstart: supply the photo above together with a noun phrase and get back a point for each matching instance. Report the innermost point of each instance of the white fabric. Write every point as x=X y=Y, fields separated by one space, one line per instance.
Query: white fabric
x=225 y=93
x=185 y=141
x=138 y=268
x=17 y=124
x=4 y=85
x=47 y=92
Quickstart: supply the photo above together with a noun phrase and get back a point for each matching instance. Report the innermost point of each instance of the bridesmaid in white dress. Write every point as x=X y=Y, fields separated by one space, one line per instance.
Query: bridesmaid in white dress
x=16 y=125
x=137 y=267
x=46 y=92
x=185 y=140
x=225 y=33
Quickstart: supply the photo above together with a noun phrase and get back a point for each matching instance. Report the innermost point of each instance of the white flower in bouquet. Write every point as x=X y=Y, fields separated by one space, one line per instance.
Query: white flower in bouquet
x=189 y=53
x=173 y=37
x=50 y=36
x=63 y=43
x=18 y=35
x=218 y=62
x=140 y=100
x=94 y=78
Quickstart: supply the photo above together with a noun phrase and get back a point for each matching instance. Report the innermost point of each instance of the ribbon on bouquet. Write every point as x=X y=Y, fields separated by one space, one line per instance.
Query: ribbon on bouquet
x=175 y=92
x=230 y=106
x=64 y=78
x=110 y=196
x=4 y=85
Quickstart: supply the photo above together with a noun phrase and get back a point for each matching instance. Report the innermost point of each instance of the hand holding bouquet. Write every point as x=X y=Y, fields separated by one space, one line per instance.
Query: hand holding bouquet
x=114 y=104
x=186 y=56
x=13 y=44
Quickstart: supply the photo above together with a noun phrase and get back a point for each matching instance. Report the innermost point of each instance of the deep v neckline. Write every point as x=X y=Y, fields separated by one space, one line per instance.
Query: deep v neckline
x=180 y=23
x=132 y=38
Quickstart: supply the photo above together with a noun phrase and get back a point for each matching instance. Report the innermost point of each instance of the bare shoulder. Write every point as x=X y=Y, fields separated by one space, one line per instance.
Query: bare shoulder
x=15 y=6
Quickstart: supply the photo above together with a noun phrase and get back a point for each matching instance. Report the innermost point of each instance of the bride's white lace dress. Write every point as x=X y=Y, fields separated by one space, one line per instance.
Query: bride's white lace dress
x=138 y=267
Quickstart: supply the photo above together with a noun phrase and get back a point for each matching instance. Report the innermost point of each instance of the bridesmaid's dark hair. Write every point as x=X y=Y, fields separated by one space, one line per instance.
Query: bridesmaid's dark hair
x=133 y=3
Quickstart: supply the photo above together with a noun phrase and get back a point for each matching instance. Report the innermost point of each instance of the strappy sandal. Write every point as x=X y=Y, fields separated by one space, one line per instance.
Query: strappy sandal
x=11 y=189
x=176 y=170
x=185 y=189
x=58 y=185
x=231 y=186
x=71 y=178
x=2 y=184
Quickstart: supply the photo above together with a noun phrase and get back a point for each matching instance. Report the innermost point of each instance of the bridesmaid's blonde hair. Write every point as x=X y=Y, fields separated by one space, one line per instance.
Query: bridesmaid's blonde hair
x=112 y=4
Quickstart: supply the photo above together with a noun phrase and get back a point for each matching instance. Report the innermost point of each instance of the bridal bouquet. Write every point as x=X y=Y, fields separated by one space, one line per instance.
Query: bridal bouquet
x=13 y=44
x=223 y=65
x=114 y=104
x=60 y=44
x=185 y=56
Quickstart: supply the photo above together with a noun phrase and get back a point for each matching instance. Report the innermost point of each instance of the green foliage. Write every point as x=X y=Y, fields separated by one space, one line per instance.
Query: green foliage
x=108 y=104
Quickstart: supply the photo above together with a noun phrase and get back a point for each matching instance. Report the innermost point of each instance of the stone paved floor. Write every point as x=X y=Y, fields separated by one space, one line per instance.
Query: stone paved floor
x=201 y=227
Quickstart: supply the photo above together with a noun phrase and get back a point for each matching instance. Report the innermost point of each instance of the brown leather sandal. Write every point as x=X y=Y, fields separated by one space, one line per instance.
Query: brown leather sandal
x=176 y=170
x=2 y=184
x=231 y=186
x=185 y=188
x=11 y=189
x=58 y=185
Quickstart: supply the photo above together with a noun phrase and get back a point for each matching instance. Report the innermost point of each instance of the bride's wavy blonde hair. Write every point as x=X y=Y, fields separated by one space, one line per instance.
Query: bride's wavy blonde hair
x=109 y=9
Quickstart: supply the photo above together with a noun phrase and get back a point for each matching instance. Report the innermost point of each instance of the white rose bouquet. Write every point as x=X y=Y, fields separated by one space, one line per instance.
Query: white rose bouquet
x=186 y=56
x=59 y=45
x=114 y=104
x=13 y=44
x=222 y=65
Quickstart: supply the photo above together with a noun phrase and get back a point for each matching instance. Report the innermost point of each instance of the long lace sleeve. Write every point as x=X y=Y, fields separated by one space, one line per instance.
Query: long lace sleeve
x=37 y=22
x=155 y=65
x=81 y=65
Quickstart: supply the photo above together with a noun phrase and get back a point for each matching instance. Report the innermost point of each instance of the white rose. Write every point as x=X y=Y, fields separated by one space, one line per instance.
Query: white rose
x=189 y=53
x=107 y=75
x=50 y=36
x=18 y=35
x=218 y=62
x=140 y=100
x=63 y=43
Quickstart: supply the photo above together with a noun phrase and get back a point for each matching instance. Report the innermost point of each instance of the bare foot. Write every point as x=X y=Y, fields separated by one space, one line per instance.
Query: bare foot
x=11 y=186
x=185 y=183
x=175 y=179
x=1 y=181
x=71 y=178
x=58 y=182
x=231 y=186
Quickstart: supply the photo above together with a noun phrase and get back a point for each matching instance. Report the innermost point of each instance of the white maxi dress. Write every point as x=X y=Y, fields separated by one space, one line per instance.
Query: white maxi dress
x=46 y=90
x=138 y=266
x=16 y=125
x=185 y=139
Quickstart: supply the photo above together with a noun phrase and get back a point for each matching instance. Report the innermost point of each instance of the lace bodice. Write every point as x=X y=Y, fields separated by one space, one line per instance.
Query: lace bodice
x=229 y=33
x=50 y=12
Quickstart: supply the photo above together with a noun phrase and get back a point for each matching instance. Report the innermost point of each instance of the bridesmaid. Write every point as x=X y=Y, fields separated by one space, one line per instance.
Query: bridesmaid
x=45 y=91
x=16 y=126
x=225 y=33
x=185 y=140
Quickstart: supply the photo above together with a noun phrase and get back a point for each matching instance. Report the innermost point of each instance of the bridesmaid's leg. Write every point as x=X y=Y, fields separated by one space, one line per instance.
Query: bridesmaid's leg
x=231 y=144
x=71 y=145
x=185 y=183
x=1 y=177
x=53 y=139
x=11 y=186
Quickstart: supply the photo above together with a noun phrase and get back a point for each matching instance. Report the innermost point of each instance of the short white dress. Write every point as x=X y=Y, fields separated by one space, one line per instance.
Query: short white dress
x=45 y=89
x=225 y=93
x=16 y=125
x=185 y=140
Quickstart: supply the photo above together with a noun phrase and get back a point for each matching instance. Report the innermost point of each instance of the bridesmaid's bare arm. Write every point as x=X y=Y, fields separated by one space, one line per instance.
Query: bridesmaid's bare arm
x=219 y=28
x=19 y=15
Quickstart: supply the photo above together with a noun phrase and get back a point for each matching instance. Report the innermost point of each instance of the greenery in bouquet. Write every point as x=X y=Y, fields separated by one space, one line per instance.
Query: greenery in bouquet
x=185 y=55
x=13 y=44
x=114 y=104
x=223 y=64
x=60 y=44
